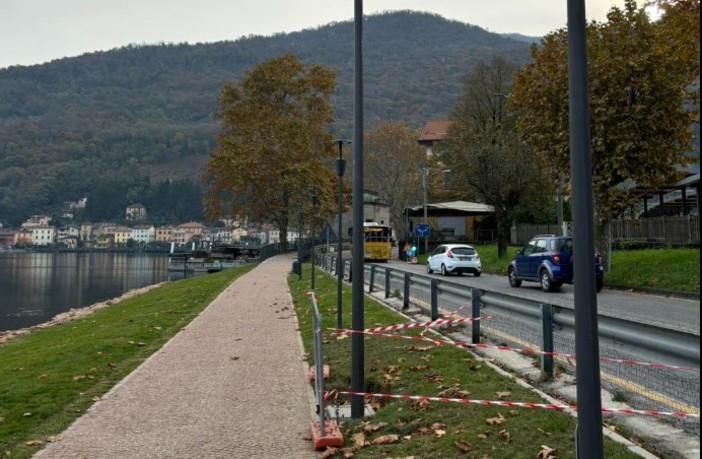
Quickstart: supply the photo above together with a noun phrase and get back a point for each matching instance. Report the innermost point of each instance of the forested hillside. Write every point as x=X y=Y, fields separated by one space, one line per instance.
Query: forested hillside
x=114 y=125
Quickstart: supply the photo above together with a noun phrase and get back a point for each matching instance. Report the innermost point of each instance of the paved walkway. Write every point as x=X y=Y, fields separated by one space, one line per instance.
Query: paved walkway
x=232 y=384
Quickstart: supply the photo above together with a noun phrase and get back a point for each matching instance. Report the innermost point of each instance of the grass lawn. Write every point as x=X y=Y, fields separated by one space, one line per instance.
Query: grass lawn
x=423 y=430
x=51 y=376
x=665 y=269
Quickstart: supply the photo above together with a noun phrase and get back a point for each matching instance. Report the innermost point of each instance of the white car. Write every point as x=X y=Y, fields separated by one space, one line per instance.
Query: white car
x=454 y=258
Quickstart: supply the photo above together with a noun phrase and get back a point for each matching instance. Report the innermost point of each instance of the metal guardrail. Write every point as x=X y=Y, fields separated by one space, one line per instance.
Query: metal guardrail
x=551 y=328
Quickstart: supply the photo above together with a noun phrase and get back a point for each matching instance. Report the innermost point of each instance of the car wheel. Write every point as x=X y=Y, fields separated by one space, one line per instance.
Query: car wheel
x=476 y=273
x=429 y=270
x=599 y=284
x=546 y=284
x=443 y=270
x=512 y=275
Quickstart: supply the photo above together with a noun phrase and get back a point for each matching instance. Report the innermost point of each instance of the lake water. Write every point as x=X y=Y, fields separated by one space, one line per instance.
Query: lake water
x=35 y=287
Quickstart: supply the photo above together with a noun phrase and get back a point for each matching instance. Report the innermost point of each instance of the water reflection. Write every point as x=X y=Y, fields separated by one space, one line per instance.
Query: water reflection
x=34 y=287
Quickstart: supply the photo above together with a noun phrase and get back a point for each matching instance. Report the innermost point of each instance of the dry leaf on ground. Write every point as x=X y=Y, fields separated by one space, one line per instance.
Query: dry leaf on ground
x=505 y=435
x=385 y=440
x=547 y=452
x=496 y=421
x=464 y=446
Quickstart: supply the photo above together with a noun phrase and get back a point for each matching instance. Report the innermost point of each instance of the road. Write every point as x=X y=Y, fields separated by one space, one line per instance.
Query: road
x=675 y=313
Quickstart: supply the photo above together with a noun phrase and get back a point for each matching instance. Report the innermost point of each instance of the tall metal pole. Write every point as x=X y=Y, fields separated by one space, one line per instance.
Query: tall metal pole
x=312 y=257
x=587 y=370
x=425 y=173
x=299 y=243
x=340 y=166
x=357 y=357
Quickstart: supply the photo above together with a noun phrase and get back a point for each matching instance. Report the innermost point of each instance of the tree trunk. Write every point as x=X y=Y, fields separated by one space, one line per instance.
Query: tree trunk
x=503 y=236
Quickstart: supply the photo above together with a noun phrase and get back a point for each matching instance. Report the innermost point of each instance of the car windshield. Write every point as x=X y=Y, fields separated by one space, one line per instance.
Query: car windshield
x=463 y=250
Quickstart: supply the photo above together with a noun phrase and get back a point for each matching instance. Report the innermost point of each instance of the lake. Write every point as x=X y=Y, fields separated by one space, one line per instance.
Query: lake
x=35 y=287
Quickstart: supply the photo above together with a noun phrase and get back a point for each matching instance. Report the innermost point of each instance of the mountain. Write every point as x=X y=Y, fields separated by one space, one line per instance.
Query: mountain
x=524 y=38
x=113 y=125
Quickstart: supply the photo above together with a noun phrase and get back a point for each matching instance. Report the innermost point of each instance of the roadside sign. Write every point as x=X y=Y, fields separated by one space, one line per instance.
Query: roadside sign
x=421 y=230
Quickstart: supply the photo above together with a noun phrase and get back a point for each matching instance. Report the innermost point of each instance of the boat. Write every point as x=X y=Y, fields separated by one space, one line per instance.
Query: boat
x=200 y=262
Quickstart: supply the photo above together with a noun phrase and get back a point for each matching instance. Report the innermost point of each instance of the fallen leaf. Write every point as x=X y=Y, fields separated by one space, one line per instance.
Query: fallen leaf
x=329 y=452
x=544 y=432
x=422 y=431
x=44 y=376
x=514 y=412
x=440 y=433
x=34 y=443
x=505 y=435
x=348 y=455
x=437 y=425
x=368 y=427
x=420 y=367
x=385 y=440
x=96 y=399
x=79 y=377
x=496 y=421
x=359 y=439
x=464 y=446
x=53 y=439
x=27 y=415
x=342 y=336
x=547 y=452
x=502 y=395
x=482 y=436
x=390 y=369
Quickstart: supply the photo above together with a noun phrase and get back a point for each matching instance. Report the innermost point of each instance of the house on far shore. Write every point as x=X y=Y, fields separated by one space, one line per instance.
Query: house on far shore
x=135 y=212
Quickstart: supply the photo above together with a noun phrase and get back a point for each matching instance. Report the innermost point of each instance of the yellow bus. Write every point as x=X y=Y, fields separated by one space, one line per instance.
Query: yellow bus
x=377 y=242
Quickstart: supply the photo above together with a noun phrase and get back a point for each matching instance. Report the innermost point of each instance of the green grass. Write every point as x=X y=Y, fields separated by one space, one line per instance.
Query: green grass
x=51 y=376
x=397 y=366
x=665 y=269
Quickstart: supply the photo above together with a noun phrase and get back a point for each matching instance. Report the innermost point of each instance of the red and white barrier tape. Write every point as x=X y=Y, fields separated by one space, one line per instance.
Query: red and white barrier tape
x=518 y=350
x=543 y=406
x=435 y=323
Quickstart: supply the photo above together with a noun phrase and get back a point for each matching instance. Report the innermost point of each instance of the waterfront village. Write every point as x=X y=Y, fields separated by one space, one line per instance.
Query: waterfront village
x=38 y=232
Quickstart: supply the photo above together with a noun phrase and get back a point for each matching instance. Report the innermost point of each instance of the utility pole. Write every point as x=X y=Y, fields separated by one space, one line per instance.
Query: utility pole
x=340 y=167
x=357 y=293
x=425 y=174
x=588 y=438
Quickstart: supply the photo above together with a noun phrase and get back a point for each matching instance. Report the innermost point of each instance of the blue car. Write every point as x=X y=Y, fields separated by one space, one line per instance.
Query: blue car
x=548 y=259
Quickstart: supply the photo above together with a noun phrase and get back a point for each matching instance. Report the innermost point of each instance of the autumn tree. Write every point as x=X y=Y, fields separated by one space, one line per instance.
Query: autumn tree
x=483 y=151
x=273 y=144
x=391 y=167
x=640 y=76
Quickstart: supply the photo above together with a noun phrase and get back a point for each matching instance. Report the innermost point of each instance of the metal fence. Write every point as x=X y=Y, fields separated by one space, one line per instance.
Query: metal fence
x=523 y=323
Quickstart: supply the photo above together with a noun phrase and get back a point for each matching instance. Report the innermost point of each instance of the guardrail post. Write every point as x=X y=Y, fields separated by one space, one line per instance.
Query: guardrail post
x=475 y=313
x=434 y=295
x=372 y=278
x=547 y=344
x=406 y=296
x=387 y=282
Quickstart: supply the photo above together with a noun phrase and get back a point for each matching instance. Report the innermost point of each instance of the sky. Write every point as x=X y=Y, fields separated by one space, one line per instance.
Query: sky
x=38 y=31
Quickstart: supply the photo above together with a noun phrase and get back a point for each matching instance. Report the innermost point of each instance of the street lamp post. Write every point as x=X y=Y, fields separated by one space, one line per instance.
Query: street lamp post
x=312 y=254
x=299 y=243
x=340 y=166
x=425 y=173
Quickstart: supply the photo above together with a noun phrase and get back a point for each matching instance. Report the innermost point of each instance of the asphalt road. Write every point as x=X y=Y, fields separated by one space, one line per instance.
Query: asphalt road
x=675 y=313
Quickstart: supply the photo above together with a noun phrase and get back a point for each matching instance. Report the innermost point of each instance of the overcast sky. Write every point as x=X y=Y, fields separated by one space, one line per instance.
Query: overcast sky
x=38 y=31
